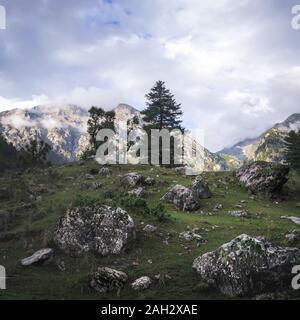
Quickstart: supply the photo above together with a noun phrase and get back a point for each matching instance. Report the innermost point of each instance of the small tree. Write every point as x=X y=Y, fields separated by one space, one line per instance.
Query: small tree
x=35 y=152
x=99 y=119
x=292 y=152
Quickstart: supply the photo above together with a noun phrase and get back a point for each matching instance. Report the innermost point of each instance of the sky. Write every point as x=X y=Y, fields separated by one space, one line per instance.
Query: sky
x=234 y=65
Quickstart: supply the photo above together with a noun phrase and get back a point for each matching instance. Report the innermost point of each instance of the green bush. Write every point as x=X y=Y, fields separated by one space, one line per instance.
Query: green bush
x=160 y=213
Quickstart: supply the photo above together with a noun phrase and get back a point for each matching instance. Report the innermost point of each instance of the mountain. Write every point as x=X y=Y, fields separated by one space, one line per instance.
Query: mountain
x=268 y=146
x=64 y=128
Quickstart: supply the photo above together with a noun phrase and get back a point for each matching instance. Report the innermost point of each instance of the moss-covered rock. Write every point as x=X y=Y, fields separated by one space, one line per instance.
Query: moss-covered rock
x=263 y=177
x=247 y=265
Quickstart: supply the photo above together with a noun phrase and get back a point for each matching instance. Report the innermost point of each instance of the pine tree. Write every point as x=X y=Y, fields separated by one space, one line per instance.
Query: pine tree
x=162 y=112
x=292 y=153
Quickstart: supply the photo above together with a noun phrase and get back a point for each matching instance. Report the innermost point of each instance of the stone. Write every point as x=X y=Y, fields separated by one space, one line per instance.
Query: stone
x=149 y=228
x=141 y=283
x=263 y=177
x=149 y=181
x=239 y=213
x=246 y=266
x=138 y=192
x=200 y=188
x=89 y=177
x=105 y=172
x=39 y=256
x=100 y=229
x=190 y=236
x=4 y=219
x=107 y=279
x=182 y=198
x=293 y=219
x=292 y=237
x=133 y=179
x=180 y=170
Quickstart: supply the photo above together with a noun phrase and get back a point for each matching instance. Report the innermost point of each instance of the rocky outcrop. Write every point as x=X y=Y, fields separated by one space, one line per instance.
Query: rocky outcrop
x=182 y=198
x=101 y=229
x=38 y=257
x=238 y=213
x=141 y=283
x=263 y=177
x=107 y=279
x=246 y=266
x=200 y=188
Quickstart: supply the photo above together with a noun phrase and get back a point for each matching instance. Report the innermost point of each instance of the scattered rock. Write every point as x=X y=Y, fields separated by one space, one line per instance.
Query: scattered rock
x=149 y=228
x=133 y=179
x=182 y=197
x=95 y=185
x=106 y=279
x=100 y=229
x=89 y=177
x=4 y=219
x=200 y=188
x=138 y=192
x=293 y=219
x=292 y=237
x=105 y=172
x=218 y=206
x=190 y=236
x=239 y=213
x=246 y=266
x=141 y=283
x=38 y=257
x=263 y=177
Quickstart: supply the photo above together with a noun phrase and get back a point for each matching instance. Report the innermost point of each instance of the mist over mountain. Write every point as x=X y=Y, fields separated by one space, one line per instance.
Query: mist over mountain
x=268 y=146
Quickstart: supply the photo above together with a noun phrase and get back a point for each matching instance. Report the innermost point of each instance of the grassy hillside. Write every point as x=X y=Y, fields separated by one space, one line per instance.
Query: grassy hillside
x=163 y=252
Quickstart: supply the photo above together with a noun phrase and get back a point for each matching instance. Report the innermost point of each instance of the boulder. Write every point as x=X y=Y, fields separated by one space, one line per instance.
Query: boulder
x=105 y=172
x=138 y=192
x=106 y=279
x=133 y=179
x=4 y=218
x=182 y=198
x=263 y=177
x=141 y=283
x=38 y=257
x=200 y=188
x=100 y=229
x=246 y=266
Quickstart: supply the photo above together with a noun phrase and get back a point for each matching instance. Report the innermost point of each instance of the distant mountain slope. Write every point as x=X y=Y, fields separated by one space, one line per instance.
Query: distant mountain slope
x=64 y=128
x=268 y=146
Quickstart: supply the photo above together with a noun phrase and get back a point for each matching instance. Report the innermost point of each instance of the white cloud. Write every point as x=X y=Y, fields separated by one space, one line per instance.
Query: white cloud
x=234 y=65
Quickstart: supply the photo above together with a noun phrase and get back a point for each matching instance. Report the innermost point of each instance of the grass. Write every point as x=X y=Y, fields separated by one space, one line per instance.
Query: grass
x=63 y=277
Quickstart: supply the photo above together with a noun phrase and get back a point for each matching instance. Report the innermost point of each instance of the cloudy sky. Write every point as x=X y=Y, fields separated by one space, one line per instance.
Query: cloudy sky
x=233 y=64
